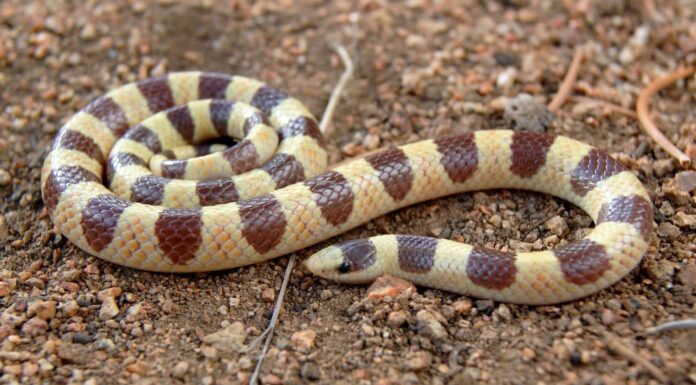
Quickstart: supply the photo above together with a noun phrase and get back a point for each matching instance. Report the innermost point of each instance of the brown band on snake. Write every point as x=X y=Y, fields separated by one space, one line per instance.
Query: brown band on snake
x=157 y=93
x=593 y=168
x=459 y=156
x=74 y=140
x=179 y=233
x=213 y=86
x=149 y=189
x=254 y=120
x=119 y=160
x=100 y=219
x=633 y=209
x=109 y=113
x=220 y=111
x=242 y=156
x=583 y=261
x=302 y=125
x=61 y=178
x=174 y=169
x=333 y=195
x=145 y=136
x=416 y=254
x=359 y=253
x=492 y=269
x=529 y=151
x=180 y=117
x=266 y=98
x=214 y=192
x=394 y=170
x=284 y=169
x=263 y=222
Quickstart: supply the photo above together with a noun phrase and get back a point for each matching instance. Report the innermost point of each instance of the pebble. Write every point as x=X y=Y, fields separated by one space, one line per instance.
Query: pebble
x=109 y=309
x=462 y=306
x=504 y=312
x=528 y=354
x=34 y=327
x=396 y=318
x=662 y=167
x=429 y=325
x=45 y=310
x=557 y=225
x=268 y=295
x=682 y=219
x=138 y=367
x=310 y=371
x=418 y=360
x=686 y=181
x=113 y=292
x=485 y=305
x=660 y=271
x=271 y=379
x=524 y=113
x=304 y=340
x=5 y=178
x=326 y=294
x=687 y=276
x=71 y=275
x=389 y=286
x=230 y=338
x=69 y=308
x=668 y=230
x=180 y=369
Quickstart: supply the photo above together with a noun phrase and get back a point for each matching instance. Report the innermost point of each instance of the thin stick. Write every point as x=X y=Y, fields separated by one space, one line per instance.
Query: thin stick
x=615 y=345
x=566 y=87
x=274 y=320
x=644 y=113
x=336 y=94
x=674 y=325
x=326 y=118
x=608 y=105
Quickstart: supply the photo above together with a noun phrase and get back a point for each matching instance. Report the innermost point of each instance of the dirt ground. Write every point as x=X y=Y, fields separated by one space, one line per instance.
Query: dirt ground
x=423 y=69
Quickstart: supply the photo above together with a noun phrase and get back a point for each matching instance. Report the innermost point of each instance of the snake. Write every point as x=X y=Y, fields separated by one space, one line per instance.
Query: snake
x=133 y=179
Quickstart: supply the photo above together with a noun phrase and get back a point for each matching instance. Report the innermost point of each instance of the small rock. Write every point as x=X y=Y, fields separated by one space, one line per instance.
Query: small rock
x=70 y=308
x=609 y=317
x=524 y=113
x=687 y=276
x=109 y=309
x=389 y=286
x=169 y=307
x=662 y=167
x=682 y=219
x=686 y=181
x=310 y=371
x=504 y=312
x=485 y=305
x=304 y=340
x=506 y=58
x=72 y=275
x=230 y=338
x=429 y=325
x=5 y=178
x=557 y=225
x=45 y=310
x=112 y=292
x=34 y=327
x=180 y=369
x=73 y=353
x=418 y=360
x=528 y=354
x=326 y=294
x=396 y=318
x=138 y=367
x=82 y=338
x=668 y=230
x=268 y=295
x=659 y=271
x=462 y=306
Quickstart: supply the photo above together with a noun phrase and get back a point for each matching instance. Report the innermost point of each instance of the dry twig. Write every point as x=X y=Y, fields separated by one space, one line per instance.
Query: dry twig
x=674 y=325
x=326 y=118
x=618 y=347
x=644 y=113
x=568 y=84
x=608 y=105
x=336 y=94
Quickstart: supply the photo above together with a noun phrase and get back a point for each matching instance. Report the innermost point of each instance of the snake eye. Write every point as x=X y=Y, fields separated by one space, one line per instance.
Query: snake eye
x=344 y=267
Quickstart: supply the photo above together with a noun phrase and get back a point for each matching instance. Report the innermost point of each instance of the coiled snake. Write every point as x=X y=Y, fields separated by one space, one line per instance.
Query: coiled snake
x=253 y=201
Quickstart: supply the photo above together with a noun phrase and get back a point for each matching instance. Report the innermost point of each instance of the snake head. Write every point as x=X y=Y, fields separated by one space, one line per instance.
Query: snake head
x=348 y=262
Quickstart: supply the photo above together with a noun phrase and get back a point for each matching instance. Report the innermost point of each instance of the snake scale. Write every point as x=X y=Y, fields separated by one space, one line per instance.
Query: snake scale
x=115 y=186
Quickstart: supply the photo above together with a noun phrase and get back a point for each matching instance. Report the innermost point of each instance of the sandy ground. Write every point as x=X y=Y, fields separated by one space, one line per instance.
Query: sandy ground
x=423 y=69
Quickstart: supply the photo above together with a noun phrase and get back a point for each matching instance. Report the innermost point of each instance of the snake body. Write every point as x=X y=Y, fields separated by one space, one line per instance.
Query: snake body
x=253 y=202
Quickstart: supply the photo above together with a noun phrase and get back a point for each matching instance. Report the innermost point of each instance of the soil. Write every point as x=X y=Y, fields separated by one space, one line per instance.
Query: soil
x=423 y=69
